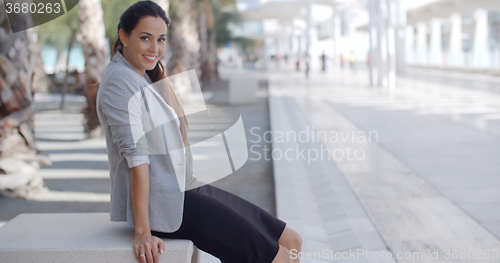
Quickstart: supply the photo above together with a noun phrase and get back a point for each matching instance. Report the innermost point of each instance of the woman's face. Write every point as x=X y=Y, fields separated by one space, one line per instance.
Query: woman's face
x=145 y=44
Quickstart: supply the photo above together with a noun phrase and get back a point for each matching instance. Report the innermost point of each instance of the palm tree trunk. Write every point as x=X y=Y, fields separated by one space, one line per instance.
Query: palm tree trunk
x=213 y=61
x=165 y=4
x=19 y=161
x=203 y=33
x=96 y=54
x=208 y=50
x=184 y=41
x=72 y=39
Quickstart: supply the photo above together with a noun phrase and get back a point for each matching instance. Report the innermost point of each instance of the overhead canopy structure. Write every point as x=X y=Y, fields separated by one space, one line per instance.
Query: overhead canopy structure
x=445 y=8
x=276 y=10
x=292 y=9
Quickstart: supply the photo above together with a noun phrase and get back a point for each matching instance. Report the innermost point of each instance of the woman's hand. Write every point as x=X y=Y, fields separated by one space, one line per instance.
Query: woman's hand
x=148 y=245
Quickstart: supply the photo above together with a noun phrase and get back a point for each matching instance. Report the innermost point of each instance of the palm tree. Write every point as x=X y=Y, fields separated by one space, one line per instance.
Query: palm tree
x=165 y=4
x=208 y=51
x=19 y=156
x=95 y=50
x=184 y=43
x=61 y=33
x=213 y=20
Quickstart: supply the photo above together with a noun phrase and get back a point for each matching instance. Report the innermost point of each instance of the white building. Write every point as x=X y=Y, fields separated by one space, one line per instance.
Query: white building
x=436 y=33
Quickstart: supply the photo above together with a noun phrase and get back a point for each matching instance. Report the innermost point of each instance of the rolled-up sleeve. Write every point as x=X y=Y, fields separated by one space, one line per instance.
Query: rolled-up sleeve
x=122 y=105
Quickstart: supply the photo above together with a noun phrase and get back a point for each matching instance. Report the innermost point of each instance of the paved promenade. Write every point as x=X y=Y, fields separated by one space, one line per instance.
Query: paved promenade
x=421 y=161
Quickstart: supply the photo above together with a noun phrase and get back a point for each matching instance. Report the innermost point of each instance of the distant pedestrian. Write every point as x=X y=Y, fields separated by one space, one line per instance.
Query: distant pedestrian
x=352 y=59
x=307 y=59
x=323 y=61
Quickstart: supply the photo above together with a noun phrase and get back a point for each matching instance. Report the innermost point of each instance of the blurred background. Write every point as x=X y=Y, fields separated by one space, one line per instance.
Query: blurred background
x=422 y=78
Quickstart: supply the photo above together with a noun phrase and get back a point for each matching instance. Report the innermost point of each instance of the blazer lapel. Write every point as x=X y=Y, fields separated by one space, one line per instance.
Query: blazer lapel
x=171 y=135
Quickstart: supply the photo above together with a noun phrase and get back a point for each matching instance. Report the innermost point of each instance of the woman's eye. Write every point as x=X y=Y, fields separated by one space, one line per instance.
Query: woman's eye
x=161 y=39
x=144 y=38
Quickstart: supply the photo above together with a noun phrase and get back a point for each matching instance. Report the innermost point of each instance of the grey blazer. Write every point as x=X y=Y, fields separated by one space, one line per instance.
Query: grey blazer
x=140 y=127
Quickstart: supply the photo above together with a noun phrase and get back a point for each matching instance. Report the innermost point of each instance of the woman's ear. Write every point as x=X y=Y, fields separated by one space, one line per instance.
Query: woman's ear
x=123 y=36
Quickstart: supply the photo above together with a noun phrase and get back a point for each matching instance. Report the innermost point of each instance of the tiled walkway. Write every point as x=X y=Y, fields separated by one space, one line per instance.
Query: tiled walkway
x=422 y=166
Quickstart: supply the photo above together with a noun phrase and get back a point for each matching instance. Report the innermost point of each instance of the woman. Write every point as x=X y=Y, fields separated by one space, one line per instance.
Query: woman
x=144 y=188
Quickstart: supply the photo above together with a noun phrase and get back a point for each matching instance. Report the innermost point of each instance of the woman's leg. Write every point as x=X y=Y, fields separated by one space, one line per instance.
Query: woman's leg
x=228 y=227
x=292 y=241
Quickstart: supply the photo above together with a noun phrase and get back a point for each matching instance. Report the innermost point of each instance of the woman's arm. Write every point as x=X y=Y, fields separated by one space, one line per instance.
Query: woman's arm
x=144 y=242
x=140 y=197
x=121 y=103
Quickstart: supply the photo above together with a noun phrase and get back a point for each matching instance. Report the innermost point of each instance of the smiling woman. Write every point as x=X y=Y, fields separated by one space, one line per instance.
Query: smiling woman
x=145 y=189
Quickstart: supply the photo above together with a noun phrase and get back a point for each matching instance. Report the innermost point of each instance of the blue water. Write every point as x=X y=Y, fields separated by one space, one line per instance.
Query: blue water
x=76 y=58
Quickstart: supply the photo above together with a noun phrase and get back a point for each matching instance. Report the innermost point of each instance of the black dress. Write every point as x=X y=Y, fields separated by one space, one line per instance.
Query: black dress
x=228 y=227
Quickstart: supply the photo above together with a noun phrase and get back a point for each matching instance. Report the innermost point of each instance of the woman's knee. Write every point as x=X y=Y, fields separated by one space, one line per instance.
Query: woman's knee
x=297 y=239
x=283 y=256
x=291 y=239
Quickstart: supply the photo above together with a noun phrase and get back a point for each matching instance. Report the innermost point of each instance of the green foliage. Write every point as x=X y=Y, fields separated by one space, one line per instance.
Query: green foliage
x=112 y=10
x=58 y=31
x=225 y=12
x=248 y=43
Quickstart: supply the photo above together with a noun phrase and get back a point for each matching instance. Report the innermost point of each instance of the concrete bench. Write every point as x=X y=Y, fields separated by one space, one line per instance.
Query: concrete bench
x=78 y=237
x=243 y=86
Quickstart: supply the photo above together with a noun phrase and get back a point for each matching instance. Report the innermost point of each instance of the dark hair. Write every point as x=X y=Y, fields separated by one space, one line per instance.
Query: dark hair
x=128 y=21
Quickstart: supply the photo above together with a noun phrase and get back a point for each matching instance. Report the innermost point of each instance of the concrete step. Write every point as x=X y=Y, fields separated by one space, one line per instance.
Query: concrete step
x=78 y=237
